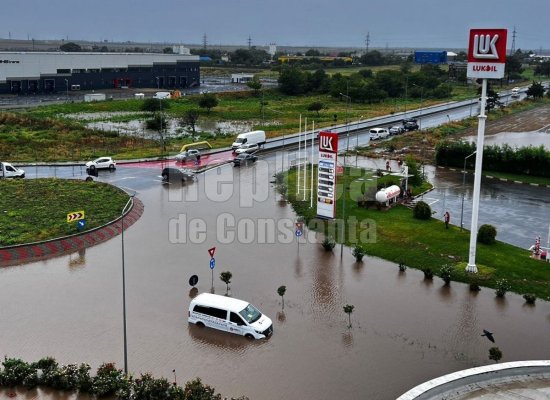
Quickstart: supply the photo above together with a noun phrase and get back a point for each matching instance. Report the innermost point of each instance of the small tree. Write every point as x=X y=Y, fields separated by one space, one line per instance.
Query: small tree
x=226 y=278
x=446 y=273
x=428 y=273
x=486 y=234
x=348 y=309
x=422 y=210
x=255 y=85
x=189 y=120
x=208 y=101
x=502 y=287
x=495 y=354
x=358 y=252
x=530 y=298
x=154 y=105
x=281 y=290
x=328 y=243
x=536 y=90
x=316 y=106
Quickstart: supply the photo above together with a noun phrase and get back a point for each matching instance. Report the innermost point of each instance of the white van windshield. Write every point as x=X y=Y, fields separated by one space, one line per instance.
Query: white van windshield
x=240 y=140
x=250 y=314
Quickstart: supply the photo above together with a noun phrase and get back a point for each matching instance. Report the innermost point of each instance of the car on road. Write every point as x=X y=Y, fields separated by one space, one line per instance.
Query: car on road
x=247 y=148
x=173 y=174
x=396 y=130
x=515 y=92
x=102 y=163
x=191 y=154
x=245 y=159
x=10 y=171
x=378 y=133
x=410 y=124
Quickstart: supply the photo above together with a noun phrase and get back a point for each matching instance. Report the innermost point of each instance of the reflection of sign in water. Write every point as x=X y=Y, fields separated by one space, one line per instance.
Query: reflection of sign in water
x=326 y=178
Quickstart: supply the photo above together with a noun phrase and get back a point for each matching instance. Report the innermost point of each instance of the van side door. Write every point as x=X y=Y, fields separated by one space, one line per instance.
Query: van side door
x=236 y=324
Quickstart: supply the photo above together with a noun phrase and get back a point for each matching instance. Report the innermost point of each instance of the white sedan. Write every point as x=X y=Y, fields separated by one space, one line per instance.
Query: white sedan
x=102 y=163
x=247 y=148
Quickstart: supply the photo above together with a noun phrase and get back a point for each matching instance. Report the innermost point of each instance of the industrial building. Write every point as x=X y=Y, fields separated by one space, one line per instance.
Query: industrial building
x=51 y=72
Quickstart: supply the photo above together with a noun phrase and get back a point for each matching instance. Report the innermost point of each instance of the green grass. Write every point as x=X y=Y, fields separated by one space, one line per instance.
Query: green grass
x=397 y=236
x=35 y=210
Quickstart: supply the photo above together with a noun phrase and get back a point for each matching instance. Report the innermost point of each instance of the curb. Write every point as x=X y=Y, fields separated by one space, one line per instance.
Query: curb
x=25 y=253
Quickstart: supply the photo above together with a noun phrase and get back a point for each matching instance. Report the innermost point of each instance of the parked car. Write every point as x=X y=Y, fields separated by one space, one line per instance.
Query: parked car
x=244 y=158
x=173 y=174
x=247 y=148
x=378 y=133
x=102 y=163
x=410 y=124
x=396 y=130
x=10 y=171
x=191 y=154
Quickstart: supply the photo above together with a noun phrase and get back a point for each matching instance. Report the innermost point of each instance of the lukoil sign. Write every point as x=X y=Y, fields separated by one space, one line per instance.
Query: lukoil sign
x=487 y=53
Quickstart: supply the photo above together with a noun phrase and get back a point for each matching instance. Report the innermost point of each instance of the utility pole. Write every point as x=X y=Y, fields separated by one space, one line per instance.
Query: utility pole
x=204 y=42
x=513 y=47
x=249 y=42
x=367 y=41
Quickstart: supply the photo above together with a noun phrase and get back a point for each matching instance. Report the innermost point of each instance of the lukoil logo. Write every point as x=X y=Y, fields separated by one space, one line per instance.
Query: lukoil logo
x=326 y=143
x=485 y=47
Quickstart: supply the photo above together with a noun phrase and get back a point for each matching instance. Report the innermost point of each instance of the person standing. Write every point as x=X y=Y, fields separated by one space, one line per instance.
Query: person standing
x=447 y=219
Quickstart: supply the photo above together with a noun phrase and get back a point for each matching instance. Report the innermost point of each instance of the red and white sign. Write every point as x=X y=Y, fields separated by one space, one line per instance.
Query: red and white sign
x=326 y=175
x=487 y=53
x=211 y=251
x=328 y=142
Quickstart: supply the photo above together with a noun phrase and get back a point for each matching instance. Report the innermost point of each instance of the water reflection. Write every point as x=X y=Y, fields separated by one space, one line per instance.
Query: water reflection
x=207 y=338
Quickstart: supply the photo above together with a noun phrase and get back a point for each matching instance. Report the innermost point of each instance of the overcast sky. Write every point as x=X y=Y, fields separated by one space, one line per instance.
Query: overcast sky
x=391 y=23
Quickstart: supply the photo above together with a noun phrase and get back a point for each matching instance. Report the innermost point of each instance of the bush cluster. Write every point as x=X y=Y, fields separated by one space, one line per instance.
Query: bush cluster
x=422 y=210
x=524 y=160
x=108 y=381
x=486 y=234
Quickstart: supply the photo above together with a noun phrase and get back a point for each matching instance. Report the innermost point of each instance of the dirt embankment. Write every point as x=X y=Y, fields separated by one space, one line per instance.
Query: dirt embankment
x=422 y=146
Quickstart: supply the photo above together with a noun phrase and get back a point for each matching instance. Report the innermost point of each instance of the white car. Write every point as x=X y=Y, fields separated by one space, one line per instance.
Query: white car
x=102 y=163
x=9 y=171
x=191 y=154
x=247 y=148
x=378 y=133
x=515 y=92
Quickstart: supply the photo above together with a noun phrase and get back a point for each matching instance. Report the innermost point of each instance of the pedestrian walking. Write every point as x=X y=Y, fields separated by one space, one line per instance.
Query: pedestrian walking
x=447 y=219
x=388 y=168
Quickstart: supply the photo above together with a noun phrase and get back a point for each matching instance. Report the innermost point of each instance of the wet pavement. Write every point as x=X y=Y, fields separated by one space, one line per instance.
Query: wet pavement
x=405 y=330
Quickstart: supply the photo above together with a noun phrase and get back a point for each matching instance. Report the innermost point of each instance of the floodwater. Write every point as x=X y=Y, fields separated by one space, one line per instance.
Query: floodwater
x=516 y=139
x=405 y=330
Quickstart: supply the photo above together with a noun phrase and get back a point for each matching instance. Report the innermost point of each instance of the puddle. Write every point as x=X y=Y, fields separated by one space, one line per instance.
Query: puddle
x=516 y=139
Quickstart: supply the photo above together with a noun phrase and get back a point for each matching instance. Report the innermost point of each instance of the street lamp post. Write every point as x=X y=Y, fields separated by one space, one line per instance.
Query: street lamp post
x=67 y=87
x=348 y=99
x=128 y=205
x=463 y=184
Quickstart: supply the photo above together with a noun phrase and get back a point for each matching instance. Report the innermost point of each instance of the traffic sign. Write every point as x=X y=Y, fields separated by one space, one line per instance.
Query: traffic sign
x=298 y=233
x=193 y=280
x=212 y=251
x=75 y=216
x=81 y=224
x=212 y=263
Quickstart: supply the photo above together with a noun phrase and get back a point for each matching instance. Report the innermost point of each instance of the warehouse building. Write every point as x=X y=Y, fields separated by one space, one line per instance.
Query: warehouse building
x=50 y=72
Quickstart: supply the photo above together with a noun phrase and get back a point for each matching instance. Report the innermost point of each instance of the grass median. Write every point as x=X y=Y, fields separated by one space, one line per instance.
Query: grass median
x=36 y=210
x=395 y=235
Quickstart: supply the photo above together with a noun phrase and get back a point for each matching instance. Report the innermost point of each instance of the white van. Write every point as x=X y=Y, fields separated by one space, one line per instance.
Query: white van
x=229 y=315
x=162 y=95
x=378 y=133
x=254 y=137
x=9 y=171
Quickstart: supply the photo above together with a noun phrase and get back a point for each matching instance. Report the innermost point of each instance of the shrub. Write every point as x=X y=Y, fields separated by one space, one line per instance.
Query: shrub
x=328 y=244
x=422 y=210
x=502 y=287
x=108 y=381
x=495 y=354
x=402 y=267
x=358 y=252
x=530 y=298
x=446 y=273
x=486 y=234
x=15 y=372
x=428 y=273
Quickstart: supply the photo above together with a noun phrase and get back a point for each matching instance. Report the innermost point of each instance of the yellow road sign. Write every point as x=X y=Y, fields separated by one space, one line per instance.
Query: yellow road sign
x=75 y=216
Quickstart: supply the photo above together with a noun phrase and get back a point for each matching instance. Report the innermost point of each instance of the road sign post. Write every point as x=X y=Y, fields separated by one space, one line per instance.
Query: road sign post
x=486 y=59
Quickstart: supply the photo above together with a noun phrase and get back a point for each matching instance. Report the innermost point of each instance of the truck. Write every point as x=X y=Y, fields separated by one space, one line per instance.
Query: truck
x=9 y=171
x=253 y=137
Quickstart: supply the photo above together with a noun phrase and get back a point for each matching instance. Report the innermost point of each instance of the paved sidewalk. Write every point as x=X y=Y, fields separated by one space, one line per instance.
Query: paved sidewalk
x=21 y=254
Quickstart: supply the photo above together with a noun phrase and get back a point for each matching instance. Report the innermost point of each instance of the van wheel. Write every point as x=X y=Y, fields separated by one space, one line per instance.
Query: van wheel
x=200 y=324
x=249 y=336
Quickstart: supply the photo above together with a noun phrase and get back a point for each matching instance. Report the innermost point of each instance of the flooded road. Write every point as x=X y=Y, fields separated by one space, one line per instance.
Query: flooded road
x=516 y=139
x=405 y=330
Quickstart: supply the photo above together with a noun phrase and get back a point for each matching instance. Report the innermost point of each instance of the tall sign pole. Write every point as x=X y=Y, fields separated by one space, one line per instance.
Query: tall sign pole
x=486 y=59
x=326 y=175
